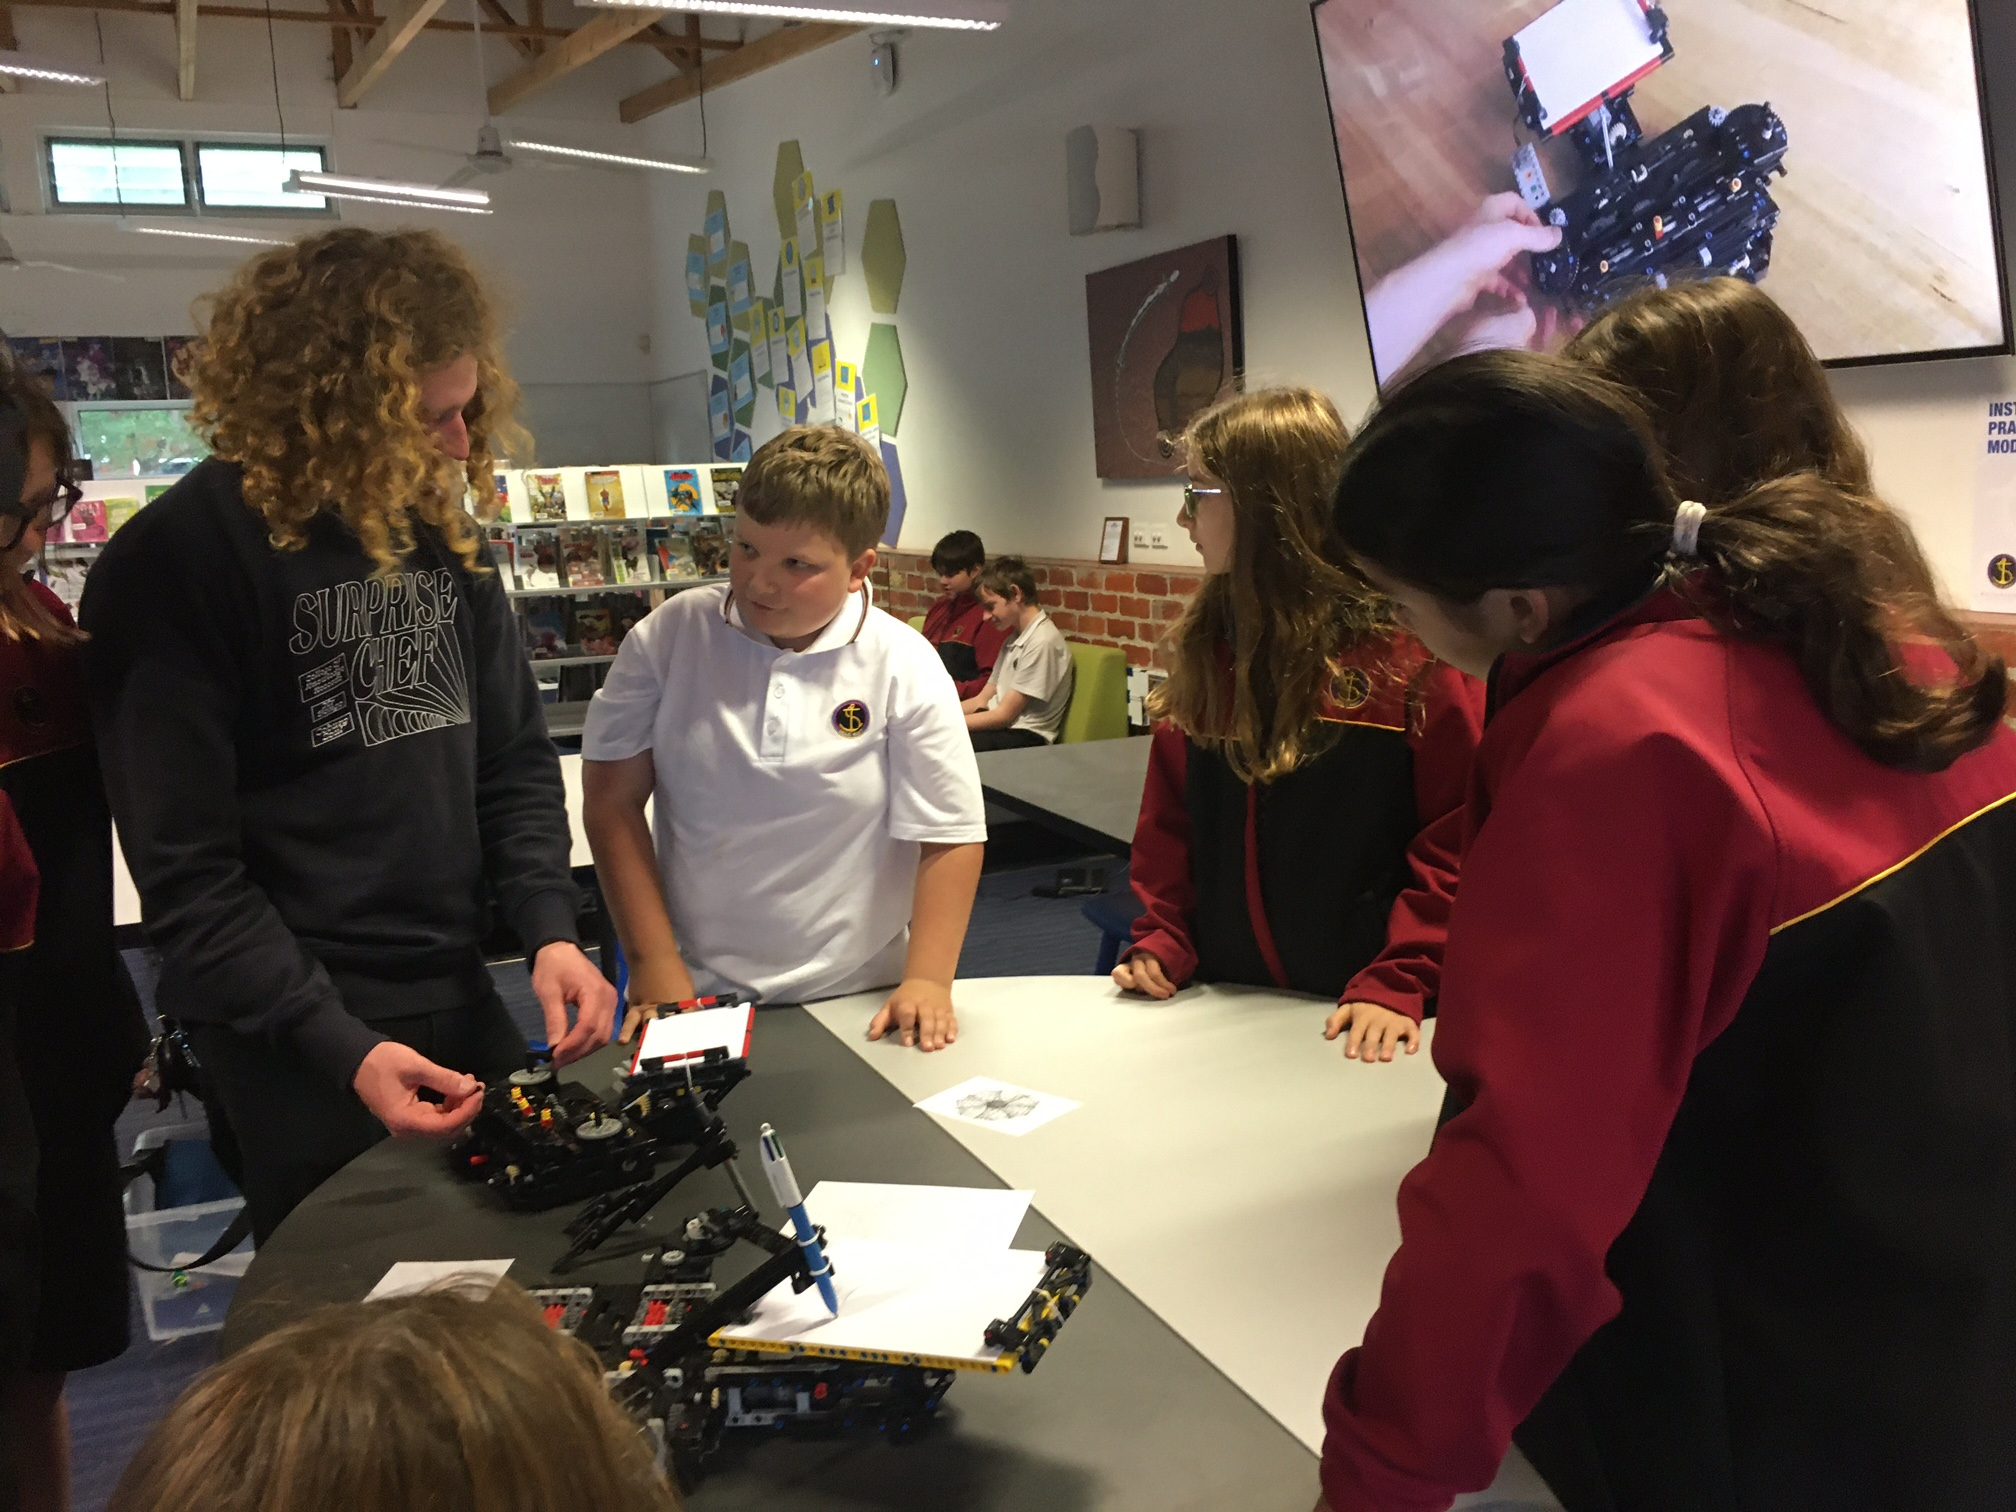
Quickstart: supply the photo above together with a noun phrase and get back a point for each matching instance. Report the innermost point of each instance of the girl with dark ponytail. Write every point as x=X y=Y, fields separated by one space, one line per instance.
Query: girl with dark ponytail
x=1724 y=1212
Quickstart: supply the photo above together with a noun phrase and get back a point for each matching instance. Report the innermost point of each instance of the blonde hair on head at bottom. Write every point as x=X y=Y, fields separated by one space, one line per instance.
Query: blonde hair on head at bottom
x=452 y=1401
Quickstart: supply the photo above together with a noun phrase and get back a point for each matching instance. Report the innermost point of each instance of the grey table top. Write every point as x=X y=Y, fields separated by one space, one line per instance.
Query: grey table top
x=1123 y=1413
x=1091 y=790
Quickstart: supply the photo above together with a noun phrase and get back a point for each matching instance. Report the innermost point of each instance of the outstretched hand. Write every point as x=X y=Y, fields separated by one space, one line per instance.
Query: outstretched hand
x=920 y=1011
x=389 y=1083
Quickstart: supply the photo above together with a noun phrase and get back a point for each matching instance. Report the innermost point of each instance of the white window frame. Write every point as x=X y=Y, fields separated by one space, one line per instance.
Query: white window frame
x=263 y=212
x=192 y=207
x=52 y=140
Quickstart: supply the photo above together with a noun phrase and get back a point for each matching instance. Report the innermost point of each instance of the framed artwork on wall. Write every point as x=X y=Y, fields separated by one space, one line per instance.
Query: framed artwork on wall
x=1167 y=341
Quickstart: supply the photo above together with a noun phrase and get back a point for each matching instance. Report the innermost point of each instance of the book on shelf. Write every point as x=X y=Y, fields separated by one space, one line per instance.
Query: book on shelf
x=547 y=494
x=627 y=562
x=65 y=577
x=605 y=494
x=709 y=547
x=683 y=494
x=545 y=623
x=119 y=511
x=581 y=557
x=627 y=611
x=723 y=482
x=538 y=563
x=503 y=553
x=673 y=549
x=594 y=629
x=86 y=522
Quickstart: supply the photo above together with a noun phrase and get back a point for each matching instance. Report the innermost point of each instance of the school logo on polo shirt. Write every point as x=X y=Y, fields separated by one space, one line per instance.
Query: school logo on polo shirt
x=1351 y=689
x=851 y=719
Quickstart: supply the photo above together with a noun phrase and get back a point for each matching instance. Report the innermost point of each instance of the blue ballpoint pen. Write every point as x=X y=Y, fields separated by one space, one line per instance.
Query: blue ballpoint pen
x=785 y=1185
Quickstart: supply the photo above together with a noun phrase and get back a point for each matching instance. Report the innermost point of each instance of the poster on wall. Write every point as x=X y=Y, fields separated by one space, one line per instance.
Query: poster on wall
x=1167 y=341
x=1992 y=583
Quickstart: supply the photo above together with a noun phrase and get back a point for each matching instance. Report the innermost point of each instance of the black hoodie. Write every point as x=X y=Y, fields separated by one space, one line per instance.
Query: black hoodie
x=321 y=776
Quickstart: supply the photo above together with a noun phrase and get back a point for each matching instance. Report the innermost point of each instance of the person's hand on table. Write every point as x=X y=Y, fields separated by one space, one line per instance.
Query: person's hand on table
x=389 y=1083
x=920 y=1011
x=1142 y=972
x=1376 y=1032
x=561 y=974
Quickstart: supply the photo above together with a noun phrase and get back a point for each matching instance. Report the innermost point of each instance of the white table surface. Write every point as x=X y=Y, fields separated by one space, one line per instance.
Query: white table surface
x=126 y=901
x=1228 y=1165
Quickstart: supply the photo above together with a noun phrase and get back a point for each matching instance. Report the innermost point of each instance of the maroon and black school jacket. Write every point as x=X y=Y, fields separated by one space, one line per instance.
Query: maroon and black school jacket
x=1339 y=873
x=963 y=621
x=79 y=1033
x=1728 y=1216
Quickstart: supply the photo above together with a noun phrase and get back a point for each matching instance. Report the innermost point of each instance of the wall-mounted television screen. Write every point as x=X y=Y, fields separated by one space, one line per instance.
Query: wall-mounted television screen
x=1511 y=166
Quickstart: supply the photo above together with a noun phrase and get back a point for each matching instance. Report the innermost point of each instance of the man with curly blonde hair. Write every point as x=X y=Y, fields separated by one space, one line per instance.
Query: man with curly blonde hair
x=322 y=741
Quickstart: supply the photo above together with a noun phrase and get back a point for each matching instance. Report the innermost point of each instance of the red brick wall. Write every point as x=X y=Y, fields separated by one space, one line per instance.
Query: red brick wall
x=1129 y=607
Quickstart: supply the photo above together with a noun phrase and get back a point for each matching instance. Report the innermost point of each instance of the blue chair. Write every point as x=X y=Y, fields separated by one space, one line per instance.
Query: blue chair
x=1113 y=914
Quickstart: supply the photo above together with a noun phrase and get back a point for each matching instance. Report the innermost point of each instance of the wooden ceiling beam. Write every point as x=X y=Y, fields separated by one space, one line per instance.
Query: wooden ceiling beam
x=407 y=20
x=339 y=39
x=766 y=51
x=583 y=45
x=526 y=47
x=185 y=49
x=363 y=21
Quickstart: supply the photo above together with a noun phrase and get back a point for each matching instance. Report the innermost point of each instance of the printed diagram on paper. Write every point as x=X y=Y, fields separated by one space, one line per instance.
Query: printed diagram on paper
x=997 y=1105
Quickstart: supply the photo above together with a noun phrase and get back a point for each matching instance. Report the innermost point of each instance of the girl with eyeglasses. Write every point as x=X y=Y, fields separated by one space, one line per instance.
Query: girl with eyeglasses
x=1298 y=829
x=77 y=1035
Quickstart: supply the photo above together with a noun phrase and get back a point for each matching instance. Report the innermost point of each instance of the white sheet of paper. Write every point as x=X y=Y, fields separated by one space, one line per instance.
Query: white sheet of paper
x=924 y=1217
x=684 y=1035
x=1576 y=52
x=408 y=1278
x=899 y=1299
x=997 y=1105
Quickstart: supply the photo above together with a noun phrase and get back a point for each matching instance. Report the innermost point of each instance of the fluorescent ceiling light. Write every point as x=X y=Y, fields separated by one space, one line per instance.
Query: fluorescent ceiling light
x=388 y=192
x=216 y=236
x=669 y=165
x=28 y=66
x=953 y=15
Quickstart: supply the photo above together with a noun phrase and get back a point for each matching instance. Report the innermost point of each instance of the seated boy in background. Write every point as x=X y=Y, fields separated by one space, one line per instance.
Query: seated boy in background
x=967 y=640
x=817 y=809
x=1027 y=696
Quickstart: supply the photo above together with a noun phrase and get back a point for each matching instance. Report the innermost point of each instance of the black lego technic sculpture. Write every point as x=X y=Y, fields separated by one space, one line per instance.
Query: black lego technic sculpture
x=1693 y=201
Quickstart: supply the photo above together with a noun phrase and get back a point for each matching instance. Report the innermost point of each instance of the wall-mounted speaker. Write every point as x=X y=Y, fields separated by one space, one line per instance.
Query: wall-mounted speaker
x=1103 y=171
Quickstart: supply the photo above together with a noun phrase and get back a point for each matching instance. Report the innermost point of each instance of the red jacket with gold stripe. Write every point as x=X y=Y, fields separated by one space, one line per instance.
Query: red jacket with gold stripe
x=1335 y=879
x=1727 y=1217
x=962 y=621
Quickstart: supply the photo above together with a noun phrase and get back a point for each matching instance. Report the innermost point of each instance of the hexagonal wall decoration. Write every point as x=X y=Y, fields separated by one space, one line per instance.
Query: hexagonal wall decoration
x=882 y=374
x=882 y=258
x=790 y=165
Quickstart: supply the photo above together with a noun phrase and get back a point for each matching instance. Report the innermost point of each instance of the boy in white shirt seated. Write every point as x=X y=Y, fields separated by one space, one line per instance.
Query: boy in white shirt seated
x=817 y=809
x=1027 y=696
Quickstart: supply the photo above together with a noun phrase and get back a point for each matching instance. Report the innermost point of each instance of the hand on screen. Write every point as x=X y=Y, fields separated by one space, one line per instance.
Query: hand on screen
x=1410 y=305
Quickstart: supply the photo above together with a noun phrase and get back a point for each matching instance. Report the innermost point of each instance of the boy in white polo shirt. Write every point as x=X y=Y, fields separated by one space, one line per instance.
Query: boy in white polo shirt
x=819 y=825
x=1029 y=691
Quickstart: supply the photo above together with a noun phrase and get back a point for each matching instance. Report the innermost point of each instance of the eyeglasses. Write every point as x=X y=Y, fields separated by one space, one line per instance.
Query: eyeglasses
x=1191 y=494
x=52 y=506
